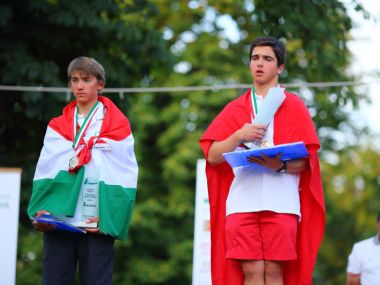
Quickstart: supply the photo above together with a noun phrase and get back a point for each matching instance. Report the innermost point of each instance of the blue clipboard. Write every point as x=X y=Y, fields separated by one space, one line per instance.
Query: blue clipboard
x=59 y=224
x=288 y=152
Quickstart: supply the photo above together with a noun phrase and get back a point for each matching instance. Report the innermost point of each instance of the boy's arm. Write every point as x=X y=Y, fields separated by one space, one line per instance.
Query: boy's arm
x=246 y=133
x=353 y=279
x=274 y=163
x=354 y=265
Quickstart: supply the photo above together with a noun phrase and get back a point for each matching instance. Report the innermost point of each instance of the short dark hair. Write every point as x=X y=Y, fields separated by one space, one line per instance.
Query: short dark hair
x=87 y=65
x=277 y=46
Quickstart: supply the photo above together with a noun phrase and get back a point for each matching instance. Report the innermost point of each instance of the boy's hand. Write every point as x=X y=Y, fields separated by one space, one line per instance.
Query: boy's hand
x=251 y=133
x=93 y=220
x=273 y=163
x=42 y=227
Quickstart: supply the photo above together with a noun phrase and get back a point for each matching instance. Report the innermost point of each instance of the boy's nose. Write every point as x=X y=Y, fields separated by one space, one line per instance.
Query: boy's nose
x=260 y=63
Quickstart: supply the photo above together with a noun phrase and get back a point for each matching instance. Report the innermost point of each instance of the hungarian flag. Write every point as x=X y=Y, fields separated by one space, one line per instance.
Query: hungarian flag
x=56 y=188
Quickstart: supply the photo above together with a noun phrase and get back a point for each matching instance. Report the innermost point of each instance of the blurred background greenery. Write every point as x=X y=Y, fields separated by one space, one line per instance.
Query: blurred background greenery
x=160 y=43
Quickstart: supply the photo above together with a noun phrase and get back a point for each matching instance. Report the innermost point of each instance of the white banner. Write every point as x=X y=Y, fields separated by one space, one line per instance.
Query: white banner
x=10 y=179
x=202 y=237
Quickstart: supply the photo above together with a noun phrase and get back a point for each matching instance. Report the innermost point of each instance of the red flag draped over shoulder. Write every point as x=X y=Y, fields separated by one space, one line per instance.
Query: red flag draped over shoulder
x=292 y=122
x=115 y=125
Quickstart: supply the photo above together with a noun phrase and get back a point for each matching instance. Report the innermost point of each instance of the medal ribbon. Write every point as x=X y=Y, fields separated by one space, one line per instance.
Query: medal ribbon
x=254 y=103
x=82 y=130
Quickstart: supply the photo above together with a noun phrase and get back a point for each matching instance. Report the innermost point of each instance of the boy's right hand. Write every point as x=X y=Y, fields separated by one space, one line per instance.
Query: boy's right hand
x=251 y=133
x=42 y=227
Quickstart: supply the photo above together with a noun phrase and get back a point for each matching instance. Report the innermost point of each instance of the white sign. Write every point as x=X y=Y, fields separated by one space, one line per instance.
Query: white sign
x=202 y=236
x=10 y=179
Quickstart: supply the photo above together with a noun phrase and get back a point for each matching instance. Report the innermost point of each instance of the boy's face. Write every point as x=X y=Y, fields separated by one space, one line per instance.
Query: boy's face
x=263 y=65
x=85 y=87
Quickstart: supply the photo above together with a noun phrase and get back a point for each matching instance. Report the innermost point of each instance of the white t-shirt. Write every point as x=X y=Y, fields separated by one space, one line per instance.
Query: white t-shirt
x=263 y=189
x=365 y=260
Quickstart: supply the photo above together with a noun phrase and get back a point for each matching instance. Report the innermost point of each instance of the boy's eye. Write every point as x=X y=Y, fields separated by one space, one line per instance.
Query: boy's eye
x=83 y=79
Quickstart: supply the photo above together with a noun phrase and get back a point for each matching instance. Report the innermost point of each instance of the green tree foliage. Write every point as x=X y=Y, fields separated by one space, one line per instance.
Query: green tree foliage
x=351 y=181
x=317 y=50
x=145 y=43
x=39 y=38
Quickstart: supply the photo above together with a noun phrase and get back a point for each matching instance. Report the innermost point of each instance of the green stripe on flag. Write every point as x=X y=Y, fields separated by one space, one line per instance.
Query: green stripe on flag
x=115 y=209
x=58 y=195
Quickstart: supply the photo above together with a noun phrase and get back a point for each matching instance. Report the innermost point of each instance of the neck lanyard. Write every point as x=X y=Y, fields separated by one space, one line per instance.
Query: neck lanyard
x=84 y=126
x=254 y=103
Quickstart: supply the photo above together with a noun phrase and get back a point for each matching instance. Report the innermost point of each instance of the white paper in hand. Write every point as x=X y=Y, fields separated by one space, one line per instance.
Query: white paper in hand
x=269 y=107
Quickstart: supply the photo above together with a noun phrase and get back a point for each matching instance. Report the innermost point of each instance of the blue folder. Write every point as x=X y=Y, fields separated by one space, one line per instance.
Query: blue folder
x=59 y=224
x=288 y=152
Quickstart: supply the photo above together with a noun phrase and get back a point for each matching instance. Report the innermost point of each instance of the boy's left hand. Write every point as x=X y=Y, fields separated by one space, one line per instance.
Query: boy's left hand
x=93 y=220
x=273 y=163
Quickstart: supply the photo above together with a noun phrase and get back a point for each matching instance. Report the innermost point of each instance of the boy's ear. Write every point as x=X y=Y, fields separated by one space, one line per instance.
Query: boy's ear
x=280 y=69
x=100 y=85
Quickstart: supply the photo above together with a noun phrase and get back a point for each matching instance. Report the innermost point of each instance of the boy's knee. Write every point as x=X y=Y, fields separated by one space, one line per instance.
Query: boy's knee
x=252 y=269
x=273 y=269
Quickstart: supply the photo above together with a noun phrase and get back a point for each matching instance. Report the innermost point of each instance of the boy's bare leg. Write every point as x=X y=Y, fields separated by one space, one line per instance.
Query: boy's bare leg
x=253 y=271
x=273 y=272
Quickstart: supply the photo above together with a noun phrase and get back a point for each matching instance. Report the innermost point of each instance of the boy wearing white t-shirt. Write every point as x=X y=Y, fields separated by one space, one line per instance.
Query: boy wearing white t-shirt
x=258 y=241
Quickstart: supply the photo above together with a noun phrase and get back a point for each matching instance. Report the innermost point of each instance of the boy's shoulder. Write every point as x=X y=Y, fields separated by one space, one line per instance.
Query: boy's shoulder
x=294 y=101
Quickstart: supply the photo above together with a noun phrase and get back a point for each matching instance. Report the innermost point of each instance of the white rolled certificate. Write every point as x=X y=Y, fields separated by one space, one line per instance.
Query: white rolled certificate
x=268 y=108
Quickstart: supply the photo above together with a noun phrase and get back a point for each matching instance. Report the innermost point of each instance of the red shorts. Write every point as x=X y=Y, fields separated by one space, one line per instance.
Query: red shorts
x=261 y=235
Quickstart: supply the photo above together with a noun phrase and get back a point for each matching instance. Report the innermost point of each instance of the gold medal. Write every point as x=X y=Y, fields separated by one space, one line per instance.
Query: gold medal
x=74 y=162
x=266 y=144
